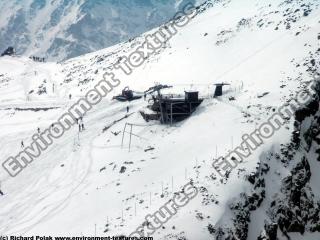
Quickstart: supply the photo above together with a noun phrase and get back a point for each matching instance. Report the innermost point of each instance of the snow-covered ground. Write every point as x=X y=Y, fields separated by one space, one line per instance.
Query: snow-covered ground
x=86 y=183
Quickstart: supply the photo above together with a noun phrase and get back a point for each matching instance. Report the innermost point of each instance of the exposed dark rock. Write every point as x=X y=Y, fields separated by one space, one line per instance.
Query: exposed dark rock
x=295 y=208
x=123 y=169
x=8 y=52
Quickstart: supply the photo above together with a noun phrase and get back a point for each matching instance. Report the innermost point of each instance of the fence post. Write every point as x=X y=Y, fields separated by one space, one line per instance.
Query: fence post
x=124 y=129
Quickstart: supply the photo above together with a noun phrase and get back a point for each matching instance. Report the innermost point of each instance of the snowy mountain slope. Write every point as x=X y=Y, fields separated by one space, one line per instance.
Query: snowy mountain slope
x=73 y=190
x=282 y=201
x=63 y=29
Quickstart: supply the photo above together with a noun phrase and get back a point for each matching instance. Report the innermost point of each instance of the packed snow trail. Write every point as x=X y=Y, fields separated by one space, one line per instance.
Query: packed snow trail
x=54 y=187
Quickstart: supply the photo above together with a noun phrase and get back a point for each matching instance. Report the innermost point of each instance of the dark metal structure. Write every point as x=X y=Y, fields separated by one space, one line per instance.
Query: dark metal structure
x=130 y=95
x=218 y=91
x=169 y=109
x=127 y=95
x=157 y=88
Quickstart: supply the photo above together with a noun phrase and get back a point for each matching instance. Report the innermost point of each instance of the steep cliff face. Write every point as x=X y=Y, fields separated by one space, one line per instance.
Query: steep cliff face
x=63 y=29
x=297 y=209
x=293 y=209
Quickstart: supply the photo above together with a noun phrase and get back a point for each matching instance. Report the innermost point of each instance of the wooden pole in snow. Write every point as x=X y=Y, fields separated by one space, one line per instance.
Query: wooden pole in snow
x=172 y=183
x=122 y=215
x=130 y=137
x=124 y=129
x=232 y=142
x=150 y=198
x=135 y=207
x=216 y=151
x=185 y=174
x=162 y=188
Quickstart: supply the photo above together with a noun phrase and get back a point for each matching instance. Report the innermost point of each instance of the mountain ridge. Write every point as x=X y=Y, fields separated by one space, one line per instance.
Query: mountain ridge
x=60 y=29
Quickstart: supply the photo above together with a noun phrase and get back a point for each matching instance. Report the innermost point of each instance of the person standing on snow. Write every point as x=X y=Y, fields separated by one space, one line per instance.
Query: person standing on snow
x=22 y=144
x=81 y=125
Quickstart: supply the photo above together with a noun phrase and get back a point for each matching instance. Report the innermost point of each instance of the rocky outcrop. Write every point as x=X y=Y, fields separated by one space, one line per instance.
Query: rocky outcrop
x=243 y=207
x=295 y=208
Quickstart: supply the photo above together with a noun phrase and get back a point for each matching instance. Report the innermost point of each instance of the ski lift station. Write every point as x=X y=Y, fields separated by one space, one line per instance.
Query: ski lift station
x=168 y=108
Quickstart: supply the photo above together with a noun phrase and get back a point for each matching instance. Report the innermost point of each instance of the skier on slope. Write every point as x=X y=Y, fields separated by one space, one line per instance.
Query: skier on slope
x=22 y=144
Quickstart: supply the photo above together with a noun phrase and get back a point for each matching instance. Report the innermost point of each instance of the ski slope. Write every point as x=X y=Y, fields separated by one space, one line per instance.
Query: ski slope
x=78 y=187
